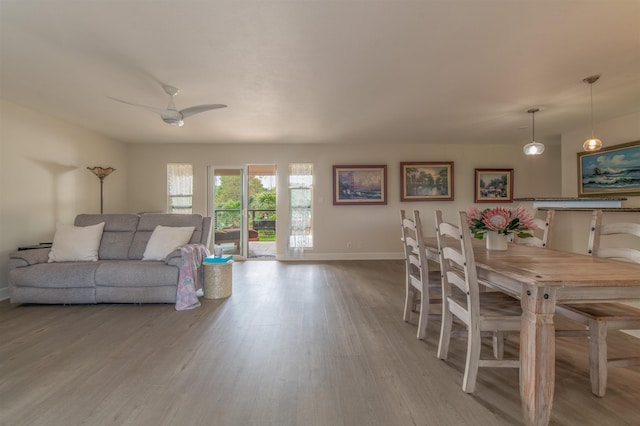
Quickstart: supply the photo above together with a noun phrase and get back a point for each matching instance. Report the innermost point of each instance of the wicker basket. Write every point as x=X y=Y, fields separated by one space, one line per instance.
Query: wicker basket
x=218 y=280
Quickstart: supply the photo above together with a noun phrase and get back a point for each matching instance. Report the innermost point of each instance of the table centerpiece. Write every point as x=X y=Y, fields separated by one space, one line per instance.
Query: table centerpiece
x=498 y=223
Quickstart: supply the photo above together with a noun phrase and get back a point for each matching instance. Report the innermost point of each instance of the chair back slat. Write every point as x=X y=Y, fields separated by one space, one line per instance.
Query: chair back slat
x=613 y=249
x=620 y=228
x=621 y=253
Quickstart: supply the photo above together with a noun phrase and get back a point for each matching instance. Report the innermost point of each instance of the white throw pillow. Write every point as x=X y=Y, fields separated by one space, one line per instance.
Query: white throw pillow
x=76 y=243
x=166 y=239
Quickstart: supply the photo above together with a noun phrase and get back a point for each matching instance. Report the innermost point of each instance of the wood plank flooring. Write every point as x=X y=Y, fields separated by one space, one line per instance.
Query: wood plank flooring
x=296 y=344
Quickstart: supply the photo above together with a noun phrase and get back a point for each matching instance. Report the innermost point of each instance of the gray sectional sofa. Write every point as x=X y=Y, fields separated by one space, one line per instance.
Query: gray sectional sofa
x=119 y=276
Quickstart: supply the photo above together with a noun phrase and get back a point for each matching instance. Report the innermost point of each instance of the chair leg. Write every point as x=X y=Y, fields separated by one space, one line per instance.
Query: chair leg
x=408 y=303
x=445 y=331
x=498 y=344
x=598 y=357
x=422 y=319
x=473 y=361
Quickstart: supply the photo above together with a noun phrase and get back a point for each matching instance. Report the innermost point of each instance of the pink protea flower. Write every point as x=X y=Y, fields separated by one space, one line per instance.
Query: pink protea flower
x=526 y=220
x=496 y=219
x=473 y=213
x=501 y=219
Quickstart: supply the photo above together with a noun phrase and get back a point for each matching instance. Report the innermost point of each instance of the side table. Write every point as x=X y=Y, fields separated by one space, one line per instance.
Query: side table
x=218 y=277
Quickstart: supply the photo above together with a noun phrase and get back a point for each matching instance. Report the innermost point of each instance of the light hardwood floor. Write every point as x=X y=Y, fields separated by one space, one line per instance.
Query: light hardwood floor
x=296 y=344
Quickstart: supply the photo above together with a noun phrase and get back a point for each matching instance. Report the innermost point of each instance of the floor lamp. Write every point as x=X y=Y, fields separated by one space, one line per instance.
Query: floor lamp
x=101 y=172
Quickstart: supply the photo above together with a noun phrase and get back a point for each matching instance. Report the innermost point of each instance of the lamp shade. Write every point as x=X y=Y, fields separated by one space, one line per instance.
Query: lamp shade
x=593 y=144
x=101 y=173
x=533 y=148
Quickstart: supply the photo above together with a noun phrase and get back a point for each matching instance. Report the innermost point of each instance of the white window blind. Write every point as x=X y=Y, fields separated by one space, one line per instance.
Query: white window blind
x=300 y=206
x=179 y=188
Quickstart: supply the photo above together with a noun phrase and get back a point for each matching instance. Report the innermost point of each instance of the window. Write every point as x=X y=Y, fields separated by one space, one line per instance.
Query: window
x=300 y=206
x=179 y=188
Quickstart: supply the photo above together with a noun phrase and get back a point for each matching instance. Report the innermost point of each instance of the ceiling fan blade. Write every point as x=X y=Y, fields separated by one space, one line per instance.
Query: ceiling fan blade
x=187 y=112
x=156 y=110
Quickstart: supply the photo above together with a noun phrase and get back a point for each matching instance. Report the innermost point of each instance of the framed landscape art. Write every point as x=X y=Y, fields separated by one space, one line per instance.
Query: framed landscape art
x=426 y=181
x=610 y=171
x=359 y=185
x=494 y=186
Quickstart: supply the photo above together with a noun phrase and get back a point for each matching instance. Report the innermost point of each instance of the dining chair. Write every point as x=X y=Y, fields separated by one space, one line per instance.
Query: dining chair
x=542 y=235
x=479 y=311
x=421 y=284
x=599 y=318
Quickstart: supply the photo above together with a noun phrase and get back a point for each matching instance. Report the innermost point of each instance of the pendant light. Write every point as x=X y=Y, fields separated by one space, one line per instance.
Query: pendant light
x=593 y=144
x=533 y=147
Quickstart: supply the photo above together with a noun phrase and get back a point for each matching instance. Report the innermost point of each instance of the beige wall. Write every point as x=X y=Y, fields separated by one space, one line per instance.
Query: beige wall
x=43 y=177
x=372 y=231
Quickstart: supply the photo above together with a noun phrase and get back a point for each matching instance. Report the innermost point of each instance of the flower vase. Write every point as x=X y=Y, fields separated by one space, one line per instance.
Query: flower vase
x=496 y=241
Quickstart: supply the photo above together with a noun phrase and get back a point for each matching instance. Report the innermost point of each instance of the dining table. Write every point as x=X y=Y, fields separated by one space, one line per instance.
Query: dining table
x=541 y=278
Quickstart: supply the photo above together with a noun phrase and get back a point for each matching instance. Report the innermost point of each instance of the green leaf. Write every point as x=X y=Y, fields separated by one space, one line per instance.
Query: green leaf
x=525 y=235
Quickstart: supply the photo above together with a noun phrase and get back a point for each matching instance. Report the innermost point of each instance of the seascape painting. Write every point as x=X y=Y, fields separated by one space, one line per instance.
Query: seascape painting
x=614 y=170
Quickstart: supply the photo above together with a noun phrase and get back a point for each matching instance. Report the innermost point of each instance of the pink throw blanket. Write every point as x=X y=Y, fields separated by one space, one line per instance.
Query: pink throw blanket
x=191 y=276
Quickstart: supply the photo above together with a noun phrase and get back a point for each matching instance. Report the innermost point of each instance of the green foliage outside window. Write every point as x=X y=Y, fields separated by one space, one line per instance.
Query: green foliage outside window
x=226 y=198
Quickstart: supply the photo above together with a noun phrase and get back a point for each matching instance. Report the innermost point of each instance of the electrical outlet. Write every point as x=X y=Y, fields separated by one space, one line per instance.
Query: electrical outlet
x=349 y=245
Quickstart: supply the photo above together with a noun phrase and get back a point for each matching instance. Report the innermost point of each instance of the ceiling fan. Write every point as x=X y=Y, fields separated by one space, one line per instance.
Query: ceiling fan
x=171 y=115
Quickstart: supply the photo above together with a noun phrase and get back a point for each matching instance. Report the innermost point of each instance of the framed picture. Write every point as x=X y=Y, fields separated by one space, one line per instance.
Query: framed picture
x=610 y=171
x=426 y=181
x=359 y=185
x=494 y=186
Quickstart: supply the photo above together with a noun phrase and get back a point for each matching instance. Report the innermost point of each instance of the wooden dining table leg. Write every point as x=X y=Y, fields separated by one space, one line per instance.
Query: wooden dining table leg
x=537 y=355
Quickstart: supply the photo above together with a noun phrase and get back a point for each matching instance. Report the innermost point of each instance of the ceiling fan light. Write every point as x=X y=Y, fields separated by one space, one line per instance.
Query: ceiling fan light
x=533 y=148
x=173 y=122
x=593 y=144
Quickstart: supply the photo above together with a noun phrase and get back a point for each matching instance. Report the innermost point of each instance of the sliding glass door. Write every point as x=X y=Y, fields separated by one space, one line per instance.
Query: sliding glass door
x=242 y=203
x=227 y=207
x=261 y=214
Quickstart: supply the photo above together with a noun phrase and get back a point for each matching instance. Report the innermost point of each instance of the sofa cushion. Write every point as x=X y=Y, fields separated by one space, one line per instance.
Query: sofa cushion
x=117 y=236
x=148 y=223
x=76 y=243
x=166 y=239
x=136 y=273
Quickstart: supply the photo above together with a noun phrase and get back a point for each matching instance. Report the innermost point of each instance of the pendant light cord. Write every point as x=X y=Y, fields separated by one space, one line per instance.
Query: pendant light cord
x=533 y=126
x=592 y=131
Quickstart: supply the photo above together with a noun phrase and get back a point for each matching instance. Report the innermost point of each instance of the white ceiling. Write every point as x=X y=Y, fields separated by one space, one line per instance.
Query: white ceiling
x=341 y=71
